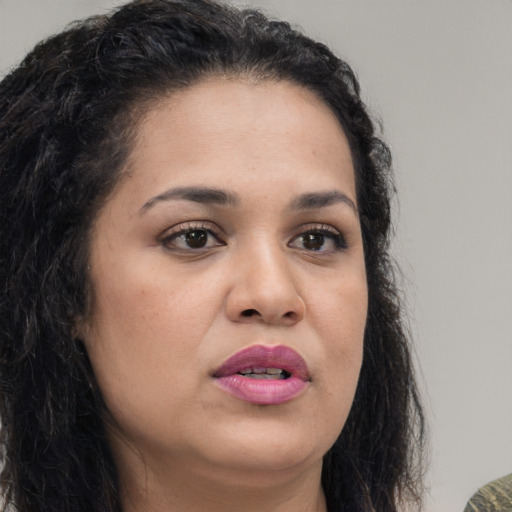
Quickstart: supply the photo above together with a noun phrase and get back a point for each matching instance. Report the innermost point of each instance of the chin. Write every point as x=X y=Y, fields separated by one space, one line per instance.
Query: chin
x=270 y=448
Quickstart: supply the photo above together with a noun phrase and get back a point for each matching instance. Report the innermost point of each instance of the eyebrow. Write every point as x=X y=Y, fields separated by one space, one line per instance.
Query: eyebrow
x=314 y=200
x=203 y=195
x=207 y=195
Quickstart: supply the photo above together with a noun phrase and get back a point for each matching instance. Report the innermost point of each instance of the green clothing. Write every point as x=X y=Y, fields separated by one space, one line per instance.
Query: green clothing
x=493 y=497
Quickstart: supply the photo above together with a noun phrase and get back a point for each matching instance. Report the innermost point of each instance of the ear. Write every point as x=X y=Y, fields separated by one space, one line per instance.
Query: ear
x=82 y=321
x=81 y=328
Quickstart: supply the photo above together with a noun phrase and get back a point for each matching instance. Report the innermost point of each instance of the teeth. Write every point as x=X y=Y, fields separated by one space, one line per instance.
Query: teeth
x=266 y=376
x=263 y=373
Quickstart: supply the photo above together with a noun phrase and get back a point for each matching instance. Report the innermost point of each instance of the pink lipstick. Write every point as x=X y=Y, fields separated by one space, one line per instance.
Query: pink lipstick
x=264 y=375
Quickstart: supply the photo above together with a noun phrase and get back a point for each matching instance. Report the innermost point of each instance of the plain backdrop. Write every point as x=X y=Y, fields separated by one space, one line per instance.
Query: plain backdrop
x=439 y=75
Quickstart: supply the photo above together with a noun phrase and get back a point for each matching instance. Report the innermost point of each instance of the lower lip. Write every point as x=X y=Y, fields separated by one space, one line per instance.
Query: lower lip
x=262 y=391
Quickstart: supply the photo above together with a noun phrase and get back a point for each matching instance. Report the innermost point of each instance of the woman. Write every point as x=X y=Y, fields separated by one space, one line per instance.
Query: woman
x=198 y=309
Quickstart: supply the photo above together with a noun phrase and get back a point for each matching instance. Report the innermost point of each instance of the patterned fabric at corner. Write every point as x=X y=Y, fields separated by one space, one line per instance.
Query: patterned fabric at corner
x=493 y=497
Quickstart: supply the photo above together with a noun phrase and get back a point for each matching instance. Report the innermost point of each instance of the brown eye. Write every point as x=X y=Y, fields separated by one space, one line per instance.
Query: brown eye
x=319 y=240
x=313 y=241
x=192 y=238
x=196 y=239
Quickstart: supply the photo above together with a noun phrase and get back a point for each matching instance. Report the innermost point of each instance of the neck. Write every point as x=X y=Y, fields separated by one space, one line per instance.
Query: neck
x=176 y=488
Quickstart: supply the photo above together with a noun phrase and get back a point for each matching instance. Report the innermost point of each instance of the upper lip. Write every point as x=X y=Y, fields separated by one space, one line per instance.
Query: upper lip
x=264 y=356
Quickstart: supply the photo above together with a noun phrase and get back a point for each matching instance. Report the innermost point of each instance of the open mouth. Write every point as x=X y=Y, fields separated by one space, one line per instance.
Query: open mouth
x=265 y=373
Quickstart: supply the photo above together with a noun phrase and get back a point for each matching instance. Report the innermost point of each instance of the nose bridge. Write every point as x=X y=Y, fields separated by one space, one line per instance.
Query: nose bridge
x=266 y=287
x=269 y=272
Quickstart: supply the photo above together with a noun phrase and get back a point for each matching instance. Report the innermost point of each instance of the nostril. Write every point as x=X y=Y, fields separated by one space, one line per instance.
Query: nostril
x=249 y=312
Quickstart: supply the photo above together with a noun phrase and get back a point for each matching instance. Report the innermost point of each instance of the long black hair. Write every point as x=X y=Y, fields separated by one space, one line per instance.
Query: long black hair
x=68 y=117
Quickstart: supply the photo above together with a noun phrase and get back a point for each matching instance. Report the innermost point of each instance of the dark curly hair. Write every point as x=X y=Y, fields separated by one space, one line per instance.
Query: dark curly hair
x=68 y=116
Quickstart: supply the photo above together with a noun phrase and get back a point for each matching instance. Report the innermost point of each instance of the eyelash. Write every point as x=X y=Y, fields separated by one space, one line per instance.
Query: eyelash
x=169 y=238
x=324 y=231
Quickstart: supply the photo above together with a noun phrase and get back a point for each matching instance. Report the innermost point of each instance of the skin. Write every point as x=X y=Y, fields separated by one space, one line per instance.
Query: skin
x=165 y=315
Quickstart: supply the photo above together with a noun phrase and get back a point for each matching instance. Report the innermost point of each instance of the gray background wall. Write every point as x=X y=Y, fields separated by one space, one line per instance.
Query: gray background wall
x=439 y=74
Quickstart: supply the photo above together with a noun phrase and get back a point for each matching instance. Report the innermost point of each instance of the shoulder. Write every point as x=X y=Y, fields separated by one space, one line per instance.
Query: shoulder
x=496 y=496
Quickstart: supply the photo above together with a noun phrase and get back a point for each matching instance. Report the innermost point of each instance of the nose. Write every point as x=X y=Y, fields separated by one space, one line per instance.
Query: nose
x=264 y=289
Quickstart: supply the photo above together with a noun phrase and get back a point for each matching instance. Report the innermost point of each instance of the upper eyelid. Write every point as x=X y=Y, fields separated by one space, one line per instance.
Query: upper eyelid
x=169 y=238
x=337 y=235
x=183 y=227
x=219 y=233
x=318 y=227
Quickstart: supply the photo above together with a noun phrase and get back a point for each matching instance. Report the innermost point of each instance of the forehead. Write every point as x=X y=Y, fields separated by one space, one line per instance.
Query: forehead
x=232 y=129
x=217 y=105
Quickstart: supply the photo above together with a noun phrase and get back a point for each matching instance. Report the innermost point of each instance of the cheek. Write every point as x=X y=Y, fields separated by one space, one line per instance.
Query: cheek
x=143 y=345
x=147 y=306
x=142 y=333
x=339 y=315
x=340 y=310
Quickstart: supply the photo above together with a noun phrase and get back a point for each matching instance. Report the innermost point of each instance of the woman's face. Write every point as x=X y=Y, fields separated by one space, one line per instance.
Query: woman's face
x=229 y=290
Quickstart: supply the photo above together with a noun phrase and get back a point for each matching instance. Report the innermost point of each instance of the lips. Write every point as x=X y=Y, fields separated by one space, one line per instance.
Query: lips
x=264 y=375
